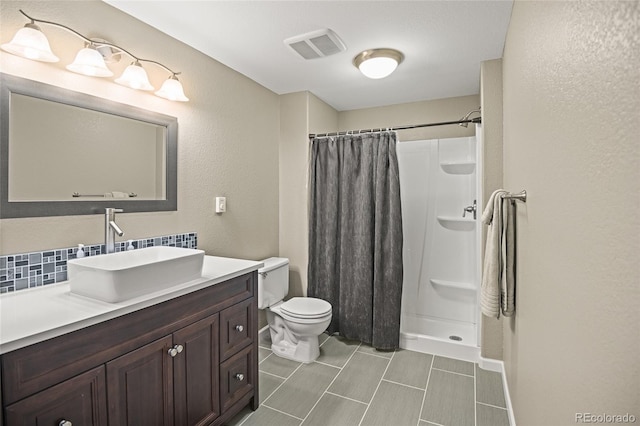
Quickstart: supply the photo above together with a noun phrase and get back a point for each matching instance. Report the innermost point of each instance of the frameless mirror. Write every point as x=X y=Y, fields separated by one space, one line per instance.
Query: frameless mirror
x=68 y=153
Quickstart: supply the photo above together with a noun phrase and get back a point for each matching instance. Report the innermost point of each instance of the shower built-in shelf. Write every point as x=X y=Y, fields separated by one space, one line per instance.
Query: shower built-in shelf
x=453 y=284
x=457 y=223
x=459 y=168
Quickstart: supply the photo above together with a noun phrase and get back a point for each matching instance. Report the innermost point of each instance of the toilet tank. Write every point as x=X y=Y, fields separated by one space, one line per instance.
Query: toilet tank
x=273 y=281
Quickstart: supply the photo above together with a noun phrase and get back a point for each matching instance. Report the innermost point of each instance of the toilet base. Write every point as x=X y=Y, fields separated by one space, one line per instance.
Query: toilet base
x=305 y=351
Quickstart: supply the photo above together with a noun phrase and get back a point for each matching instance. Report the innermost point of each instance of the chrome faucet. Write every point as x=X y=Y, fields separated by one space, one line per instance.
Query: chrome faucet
x=111 y=228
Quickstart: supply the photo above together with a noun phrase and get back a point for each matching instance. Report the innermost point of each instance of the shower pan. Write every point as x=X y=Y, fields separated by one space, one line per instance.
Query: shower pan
x=440 y=190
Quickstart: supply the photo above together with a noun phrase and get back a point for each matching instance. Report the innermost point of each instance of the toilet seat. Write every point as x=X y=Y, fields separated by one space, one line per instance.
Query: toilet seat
x=305 y=308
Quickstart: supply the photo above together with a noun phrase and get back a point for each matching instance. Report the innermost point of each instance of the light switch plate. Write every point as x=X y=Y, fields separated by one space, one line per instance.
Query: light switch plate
x=221 y=204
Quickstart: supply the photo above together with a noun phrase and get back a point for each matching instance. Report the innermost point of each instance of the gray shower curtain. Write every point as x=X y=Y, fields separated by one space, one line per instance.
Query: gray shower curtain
x=355 y=235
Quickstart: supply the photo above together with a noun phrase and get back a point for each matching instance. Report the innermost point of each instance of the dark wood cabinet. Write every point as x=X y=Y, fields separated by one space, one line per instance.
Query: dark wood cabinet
x=81 y=400
x=188 y=361
x=196 y=373
x=140 y=386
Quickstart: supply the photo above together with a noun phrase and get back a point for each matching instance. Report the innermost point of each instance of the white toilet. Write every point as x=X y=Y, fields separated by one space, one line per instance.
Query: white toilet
x=294 y=325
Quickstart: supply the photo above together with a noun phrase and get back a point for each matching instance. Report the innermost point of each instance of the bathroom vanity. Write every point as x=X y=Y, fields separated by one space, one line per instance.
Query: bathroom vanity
x=186 y=355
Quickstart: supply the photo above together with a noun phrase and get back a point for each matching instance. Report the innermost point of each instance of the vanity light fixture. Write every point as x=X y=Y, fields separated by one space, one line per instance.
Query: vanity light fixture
x=172 y=89
x=31 y=43
x=135 y=76
x=378 y=63
x=90 y=62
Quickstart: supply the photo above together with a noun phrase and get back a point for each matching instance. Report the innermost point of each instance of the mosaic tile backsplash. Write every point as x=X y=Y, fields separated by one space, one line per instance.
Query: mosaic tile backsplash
x=27 y=270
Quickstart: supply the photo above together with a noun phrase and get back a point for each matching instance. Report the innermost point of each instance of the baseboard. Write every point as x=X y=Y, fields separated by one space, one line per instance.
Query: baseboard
x=498 y=366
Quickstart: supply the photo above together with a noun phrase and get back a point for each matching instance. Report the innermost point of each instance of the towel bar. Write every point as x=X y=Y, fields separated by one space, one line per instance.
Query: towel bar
x=522 y=196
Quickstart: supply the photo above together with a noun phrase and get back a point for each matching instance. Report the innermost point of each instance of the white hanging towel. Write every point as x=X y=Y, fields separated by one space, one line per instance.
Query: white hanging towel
x=498 y=281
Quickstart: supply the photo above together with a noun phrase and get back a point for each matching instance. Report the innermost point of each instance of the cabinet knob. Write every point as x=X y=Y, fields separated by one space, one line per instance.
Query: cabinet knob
x=64 y=422
x=239 y=328
x=239 y=377
x=175 y=350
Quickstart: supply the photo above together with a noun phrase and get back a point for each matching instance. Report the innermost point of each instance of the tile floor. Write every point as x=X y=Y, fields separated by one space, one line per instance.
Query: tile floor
x=352 y=384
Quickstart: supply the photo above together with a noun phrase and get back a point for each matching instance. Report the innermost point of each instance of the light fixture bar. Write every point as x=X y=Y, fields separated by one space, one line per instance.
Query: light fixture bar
x=97 y=43
x=136 y=77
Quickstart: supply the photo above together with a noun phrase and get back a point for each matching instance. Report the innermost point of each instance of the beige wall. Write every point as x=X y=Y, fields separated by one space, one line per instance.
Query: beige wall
x=293 y=188
x=491 y=102
x=300 y=114
x=228 y=136
x=571 y=102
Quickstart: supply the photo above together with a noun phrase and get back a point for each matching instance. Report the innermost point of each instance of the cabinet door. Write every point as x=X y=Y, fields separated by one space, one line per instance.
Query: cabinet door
x=197 y=397
x=140 y=386
x=81 y=400
x=237 y=377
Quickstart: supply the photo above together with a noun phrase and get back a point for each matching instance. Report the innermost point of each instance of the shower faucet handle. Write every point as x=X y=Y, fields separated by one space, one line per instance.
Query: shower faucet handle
x=470 y=209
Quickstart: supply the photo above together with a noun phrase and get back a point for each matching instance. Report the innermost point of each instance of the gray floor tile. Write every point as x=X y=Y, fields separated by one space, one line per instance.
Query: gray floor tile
x=360 y=377
x=394 y=405
x=268 y=384
x=337 y=350
x=334 y=410
x=491 y=416
x=264 y=416
x=279 y=366
x=373 y=351
x=302 y=390
x=449 y=399
x=264 y=340
x=263 y=353
x=322 y=338
x=409 y=368
x=454 y=365
x=489 y=388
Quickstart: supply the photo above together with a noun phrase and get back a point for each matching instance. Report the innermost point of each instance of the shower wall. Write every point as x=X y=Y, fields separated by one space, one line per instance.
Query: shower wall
x=438 y=180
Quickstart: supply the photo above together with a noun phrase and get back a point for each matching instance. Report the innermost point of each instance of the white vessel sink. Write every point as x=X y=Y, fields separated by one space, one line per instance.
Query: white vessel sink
x=121 y=276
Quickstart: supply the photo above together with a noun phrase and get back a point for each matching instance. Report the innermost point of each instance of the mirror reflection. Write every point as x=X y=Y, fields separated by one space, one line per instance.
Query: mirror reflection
x=65 y=153
x=74 y=154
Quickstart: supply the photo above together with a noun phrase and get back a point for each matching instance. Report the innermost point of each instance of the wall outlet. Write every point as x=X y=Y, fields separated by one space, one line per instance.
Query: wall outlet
x=221 y=204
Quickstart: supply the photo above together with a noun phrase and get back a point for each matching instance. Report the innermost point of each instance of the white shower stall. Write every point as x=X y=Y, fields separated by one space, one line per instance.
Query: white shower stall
x=440 y=190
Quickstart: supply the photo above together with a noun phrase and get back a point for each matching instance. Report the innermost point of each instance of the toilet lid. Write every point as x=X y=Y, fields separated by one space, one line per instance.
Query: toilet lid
x=306 y=307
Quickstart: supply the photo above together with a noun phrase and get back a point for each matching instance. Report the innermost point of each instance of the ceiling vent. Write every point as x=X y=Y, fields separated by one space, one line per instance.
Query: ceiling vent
x=316 y=44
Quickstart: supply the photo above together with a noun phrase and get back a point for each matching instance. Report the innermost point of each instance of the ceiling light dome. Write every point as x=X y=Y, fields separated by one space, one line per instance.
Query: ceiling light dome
x=378 y=63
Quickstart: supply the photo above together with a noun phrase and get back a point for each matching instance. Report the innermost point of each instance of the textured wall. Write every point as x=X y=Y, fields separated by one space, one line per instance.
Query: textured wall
x=571 y=101
x=491 y=102
x=228 y=136
x=293 y=188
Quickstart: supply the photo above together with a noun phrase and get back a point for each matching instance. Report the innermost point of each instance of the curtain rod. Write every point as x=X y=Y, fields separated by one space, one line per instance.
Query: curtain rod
x=413 y=126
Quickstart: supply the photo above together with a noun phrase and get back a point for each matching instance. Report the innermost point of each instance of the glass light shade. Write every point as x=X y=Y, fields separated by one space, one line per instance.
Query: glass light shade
x=31 y=43
x=378 y=63
x=90 y=62
x=172 y=89
x=135 y=77
x=378 y=67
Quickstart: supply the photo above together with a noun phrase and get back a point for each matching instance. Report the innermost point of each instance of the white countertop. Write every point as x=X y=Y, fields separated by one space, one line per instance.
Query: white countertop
x=34 y=315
